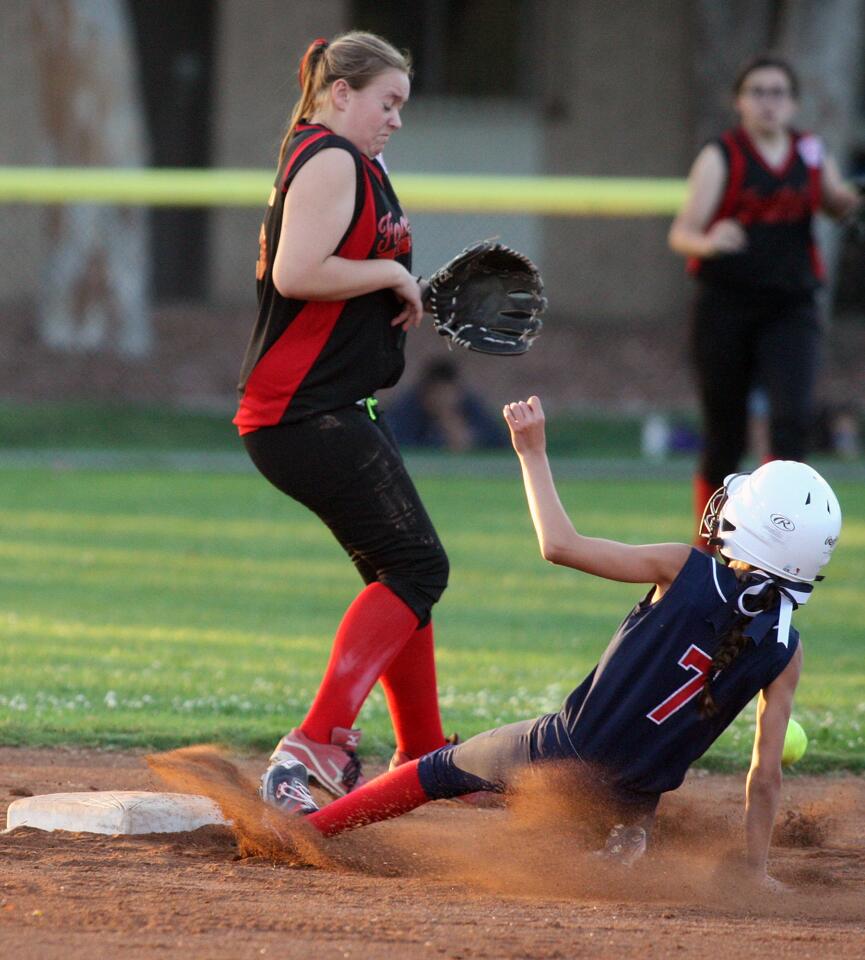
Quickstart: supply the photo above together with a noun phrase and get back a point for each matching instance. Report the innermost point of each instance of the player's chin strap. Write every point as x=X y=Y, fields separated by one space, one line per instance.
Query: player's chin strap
x=793 y=595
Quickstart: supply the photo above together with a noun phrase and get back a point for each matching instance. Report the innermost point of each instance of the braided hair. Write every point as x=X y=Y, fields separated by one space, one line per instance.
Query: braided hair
x=733 y=642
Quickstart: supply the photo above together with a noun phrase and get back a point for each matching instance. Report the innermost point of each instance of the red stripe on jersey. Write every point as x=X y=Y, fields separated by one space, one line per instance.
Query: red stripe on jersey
x=817 y=264
x=358 y=243
x=375 y=168
x=815 y=183
x=278 y=374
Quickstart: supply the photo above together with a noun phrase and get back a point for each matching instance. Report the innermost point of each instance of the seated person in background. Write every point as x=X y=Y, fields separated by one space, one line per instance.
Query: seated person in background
x=438 y=411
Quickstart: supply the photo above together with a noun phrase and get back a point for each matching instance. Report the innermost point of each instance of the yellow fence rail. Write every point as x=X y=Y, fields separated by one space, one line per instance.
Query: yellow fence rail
x=419 y=192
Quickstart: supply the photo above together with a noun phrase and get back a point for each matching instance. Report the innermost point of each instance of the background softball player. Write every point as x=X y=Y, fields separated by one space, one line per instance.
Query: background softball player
x=335 y=299
x=685 y=661
x=747 y=229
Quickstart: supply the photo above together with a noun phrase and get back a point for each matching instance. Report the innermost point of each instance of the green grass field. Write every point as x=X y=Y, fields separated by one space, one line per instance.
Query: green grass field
x=166 y=608
x=97 y=426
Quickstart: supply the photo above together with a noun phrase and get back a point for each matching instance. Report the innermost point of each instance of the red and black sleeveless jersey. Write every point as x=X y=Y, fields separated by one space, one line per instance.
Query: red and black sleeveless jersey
x=776 y=207
x=309 y=356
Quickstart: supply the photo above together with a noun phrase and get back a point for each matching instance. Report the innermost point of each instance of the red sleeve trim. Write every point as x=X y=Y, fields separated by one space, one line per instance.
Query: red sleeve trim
x=289 y=167
x=730 y=197
x=736 y=174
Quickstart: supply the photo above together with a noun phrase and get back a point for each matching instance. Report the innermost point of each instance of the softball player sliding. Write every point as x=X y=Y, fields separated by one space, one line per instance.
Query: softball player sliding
x=747 y=229
x=335 y=297
x=684 y=662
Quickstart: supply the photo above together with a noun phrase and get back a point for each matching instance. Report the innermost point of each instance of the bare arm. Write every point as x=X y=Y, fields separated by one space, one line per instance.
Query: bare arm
x=763 y=788
x=317 y=212
x=688 y=235
x=840 y=200
x=559 y=541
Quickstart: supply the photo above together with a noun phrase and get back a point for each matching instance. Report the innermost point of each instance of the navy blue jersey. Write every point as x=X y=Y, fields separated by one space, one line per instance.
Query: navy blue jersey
x=635 y=717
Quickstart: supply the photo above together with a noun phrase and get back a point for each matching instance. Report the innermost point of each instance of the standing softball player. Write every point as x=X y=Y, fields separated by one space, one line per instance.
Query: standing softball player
x=747 y=229
x=335 y=299
x=705 y=639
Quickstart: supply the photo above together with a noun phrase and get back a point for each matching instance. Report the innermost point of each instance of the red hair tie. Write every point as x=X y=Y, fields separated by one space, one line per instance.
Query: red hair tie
x=301 y=73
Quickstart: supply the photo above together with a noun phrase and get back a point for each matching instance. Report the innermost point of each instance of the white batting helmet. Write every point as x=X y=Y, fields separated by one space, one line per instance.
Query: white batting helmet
x=782 y=518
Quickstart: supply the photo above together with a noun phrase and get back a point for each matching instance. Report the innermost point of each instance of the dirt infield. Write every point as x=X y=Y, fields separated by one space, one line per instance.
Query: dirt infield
x=445 y=881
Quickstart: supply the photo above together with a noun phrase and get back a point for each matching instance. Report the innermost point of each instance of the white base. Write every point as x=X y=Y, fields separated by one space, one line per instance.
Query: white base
x=114 y=812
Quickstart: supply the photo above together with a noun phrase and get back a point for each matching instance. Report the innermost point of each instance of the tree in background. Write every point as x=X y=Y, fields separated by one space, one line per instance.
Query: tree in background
x=93 y=285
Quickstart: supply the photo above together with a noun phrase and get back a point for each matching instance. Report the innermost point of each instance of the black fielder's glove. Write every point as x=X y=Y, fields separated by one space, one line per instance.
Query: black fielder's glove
x=489 y=298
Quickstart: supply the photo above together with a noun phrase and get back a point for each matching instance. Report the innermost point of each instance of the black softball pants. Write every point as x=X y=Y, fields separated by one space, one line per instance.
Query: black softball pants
x=744 y=339
x=348 y=470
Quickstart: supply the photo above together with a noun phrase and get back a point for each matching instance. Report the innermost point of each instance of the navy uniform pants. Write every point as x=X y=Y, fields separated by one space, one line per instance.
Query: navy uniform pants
x=496 y=760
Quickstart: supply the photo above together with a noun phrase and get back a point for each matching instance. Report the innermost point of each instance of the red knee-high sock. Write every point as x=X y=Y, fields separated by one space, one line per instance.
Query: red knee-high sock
x=373 y=631
x=412 y=696
x=703 y=490
x=390 y=795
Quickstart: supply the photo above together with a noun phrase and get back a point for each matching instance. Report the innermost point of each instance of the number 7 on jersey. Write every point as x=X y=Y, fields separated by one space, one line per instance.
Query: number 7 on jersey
x=692 y=659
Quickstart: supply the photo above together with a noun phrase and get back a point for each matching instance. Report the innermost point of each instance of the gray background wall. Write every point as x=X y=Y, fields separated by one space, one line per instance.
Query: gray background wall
x=624 y=89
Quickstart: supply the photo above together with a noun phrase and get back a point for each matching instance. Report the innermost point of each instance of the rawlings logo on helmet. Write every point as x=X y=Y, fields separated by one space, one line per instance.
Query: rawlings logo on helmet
x=785 y=523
